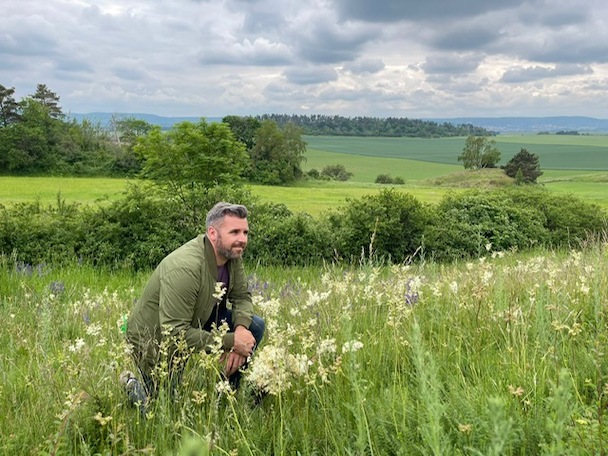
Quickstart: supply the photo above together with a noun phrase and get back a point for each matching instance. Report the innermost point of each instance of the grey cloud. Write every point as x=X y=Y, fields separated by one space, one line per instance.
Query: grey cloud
x=310 y=75
x=329 y=42
x=428 y=10
x=260 y=52
x=452 y=64
x=465 y=37
x=534 y=73
x=131 y=73
x=365 y=66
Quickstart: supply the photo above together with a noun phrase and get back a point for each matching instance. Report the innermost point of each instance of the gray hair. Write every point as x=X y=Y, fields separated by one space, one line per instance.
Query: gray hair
x=221 y=209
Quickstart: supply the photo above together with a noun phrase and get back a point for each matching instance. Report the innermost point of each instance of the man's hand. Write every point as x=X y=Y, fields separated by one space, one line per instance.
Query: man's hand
x=234 y=362
x=243 y=342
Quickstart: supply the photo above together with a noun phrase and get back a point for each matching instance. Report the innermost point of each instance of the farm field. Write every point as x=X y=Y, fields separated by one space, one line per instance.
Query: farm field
x=554 y=151
x=420 y=162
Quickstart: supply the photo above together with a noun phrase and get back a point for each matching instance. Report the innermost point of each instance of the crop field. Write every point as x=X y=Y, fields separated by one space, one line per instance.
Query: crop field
x=554 y=151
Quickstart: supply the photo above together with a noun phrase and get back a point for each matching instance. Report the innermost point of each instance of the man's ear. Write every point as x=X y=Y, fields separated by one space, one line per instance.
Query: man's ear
x=212 y=233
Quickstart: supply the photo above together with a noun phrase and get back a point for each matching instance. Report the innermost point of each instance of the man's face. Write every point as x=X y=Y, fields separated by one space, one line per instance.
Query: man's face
x=230 y=237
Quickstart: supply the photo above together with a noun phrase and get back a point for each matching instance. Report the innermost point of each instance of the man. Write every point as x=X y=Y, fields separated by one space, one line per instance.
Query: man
x=181 y=302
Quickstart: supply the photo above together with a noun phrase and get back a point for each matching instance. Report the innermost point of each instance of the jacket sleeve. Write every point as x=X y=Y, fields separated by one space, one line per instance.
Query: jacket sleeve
x=240 y=297
x=177 y=300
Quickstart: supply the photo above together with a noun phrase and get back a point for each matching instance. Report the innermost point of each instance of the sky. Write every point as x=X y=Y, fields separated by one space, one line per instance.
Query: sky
x=380 y=58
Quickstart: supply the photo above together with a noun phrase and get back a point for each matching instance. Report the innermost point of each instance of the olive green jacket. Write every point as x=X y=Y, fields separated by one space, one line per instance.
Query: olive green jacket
x=178 y=300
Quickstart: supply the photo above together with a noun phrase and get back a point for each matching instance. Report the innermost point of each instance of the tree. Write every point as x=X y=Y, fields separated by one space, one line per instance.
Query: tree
x=243 y=129
x=191 y=158
x=336 y=172
x=30 y=145
x=277 y=155
x=48 y=99
x=126 y=130
x=524 y=167
x=479 y=152
x=9 y=108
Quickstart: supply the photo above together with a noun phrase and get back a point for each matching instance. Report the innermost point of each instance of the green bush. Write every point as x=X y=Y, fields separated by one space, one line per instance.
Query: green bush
x=389 y=224
x=387 y=179
x=568 y=219
x=519 y=218
x=35 y=234
x=280 y=237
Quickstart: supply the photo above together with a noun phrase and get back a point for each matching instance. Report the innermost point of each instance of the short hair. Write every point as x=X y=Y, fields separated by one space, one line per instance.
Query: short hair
x=221 y=209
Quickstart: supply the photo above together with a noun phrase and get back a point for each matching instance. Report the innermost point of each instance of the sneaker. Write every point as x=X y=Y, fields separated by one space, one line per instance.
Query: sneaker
x=135 y=392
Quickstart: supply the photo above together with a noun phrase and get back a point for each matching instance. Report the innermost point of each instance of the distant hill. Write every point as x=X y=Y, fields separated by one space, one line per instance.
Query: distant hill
x=497 y=124
x=534 y=124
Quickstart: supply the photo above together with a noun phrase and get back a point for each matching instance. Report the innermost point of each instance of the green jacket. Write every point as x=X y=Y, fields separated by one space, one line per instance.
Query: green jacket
x=179 y=297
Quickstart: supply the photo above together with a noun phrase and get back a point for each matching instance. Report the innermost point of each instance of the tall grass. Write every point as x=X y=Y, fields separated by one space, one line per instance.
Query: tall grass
x=502 y=355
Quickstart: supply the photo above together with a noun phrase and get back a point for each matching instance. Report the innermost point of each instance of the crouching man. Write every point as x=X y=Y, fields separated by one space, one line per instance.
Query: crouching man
x=181 y=301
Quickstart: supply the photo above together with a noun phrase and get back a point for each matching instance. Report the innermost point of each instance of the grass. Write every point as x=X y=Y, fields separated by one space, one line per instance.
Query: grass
x=428 y=166
x=84 y=190
x=503 y=355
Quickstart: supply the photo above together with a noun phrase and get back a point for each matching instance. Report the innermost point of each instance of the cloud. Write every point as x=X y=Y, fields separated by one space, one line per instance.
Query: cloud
x=452 y=63
x=350 y=57
x=413 y=10
x=535 y=73
x=259 y=52
x=365 y=66
x=310 y=75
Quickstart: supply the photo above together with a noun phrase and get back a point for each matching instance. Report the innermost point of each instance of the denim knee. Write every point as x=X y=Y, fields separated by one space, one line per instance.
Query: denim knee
x=257 y=328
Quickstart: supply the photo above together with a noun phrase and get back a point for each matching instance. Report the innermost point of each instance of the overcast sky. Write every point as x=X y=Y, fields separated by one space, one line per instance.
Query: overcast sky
x=402 y=58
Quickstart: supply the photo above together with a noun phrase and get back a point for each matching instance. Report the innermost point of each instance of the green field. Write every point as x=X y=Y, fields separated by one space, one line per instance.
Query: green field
x=554 y=151
x=571 y=165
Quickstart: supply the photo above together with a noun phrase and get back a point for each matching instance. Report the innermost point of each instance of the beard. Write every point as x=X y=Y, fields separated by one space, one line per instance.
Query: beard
x=228 y=251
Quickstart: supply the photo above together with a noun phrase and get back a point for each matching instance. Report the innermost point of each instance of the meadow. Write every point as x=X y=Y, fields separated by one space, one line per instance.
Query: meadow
x=503 y=355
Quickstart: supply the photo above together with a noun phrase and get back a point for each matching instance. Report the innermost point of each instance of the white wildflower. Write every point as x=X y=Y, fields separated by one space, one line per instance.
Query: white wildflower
x=326 y=346
x=94 y=329
x=352 y=346
x=77 y=345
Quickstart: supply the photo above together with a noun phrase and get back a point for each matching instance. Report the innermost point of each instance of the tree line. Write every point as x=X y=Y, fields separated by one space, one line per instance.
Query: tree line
x=374 y=126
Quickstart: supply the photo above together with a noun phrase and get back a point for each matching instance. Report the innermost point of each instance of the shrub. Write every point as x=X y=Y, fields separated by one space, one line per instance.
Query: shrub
x=282 y=238
x=389 y=224
x=35 y=234
x=336 y=172
x=568 y=220
x=386 y=179
x=464 y=224
x=383 y=179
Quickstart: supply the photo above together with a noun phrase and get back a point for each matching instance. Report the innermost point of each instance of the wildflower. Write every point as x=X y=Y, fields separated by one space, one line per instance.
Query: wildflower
x=223 y=387
x=77 y=345
x=220 y=291
x=454 y=287
x=326 y=346
x=352 y=346
x=103 y=420
x=57 y=287
x=198 y=397
x=465 y=428
x=94 y=329
x=519 y=391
